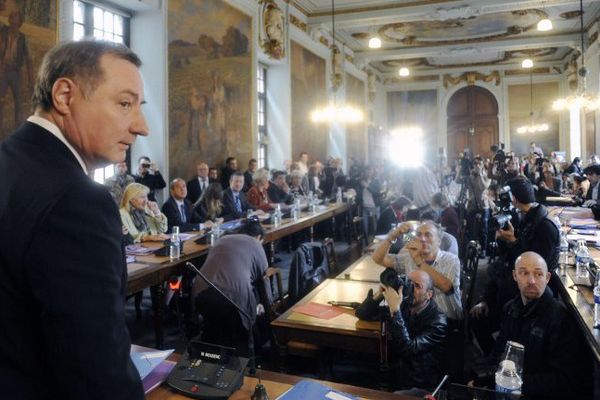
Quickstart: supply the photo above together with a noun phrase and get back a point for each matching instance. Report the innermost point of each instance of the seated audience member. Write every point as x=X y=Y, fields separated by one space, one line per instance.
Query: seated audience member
x=314 y=178
x=179 y=210
x=210 y=207
x=213 y=175
x=581 y=185
x=198 y=184
x=543 y=191
x=395 y=213
x=252 y=167
x=555 y=363
x=418 y=331
x=424 y=254
x=594 y=160
x=574 y=167
x=235 y=204
x=141 y=218
x=258 y=196
x=149 y=176
x=235 y=264
x=448 y=217
x=552 y=181
x=304 y=181
x=226 y=172
x=296 y=187
x=118 y=182
x=593 y=175
x=279 y=191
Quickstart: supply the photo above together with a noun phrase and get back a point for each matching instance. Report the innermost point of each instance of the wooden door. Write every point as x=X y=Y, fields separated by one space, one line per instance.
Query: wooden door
x=472 y=121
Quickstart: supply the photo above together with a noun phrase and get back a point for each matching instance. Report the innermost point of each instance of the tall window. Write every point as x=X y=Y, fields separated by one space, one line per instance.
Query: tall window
x=91 y=20
x=262 y=116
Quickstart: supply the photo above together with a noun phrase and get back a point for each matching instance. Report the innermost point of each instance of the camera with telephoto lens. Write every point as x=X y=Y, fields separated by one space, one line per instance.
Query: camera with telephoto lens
x=145 y=165
x=501 y=218
x=389 y=277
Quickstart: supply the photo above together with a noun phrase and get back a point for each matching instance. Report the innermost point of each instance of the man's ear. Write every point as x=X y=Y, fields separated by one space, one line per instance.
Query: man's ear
x=514 y=274
x=62 y=95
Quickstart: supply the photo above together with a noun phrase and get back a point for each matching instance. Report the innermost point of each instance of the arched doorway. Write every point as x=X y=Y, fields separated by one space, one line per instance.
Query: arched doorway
x=472 y=121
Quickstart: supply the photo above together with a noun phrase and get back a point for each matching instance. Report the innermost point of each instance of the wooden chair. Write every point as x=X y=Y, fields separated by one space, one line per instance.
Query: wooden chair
x=329 y=244
x=273 y=282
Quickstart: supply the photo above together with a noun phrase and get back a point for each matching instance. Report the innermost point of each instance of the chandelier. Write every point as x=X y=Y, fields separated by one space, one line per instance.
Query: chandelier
x=582 y=100
x=334 y=112
x=532 y=127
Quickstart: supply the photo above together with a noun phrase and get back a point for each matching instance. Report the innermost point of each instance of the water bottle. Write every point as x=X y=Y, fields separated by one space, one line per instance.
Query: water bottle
x=248 y=213
x=563 y=258
x=216 y=229
x=508 y=375
x=582 y=259
x=296 y=210
x=338 y=197
x=597 y=301
x=175 y=244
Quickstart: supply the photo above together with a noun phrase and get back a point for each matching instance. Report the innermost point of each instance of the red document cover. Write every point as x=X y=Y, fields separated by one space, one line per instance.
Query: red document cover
x=318 y=310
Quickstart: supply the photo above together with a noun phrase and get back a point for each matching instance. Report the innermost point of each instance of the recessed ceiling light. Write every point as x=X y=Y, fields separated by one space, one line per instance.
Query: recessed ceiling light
x=544 y=25
x=374 y=43
x=404 y=71
x=527 y=63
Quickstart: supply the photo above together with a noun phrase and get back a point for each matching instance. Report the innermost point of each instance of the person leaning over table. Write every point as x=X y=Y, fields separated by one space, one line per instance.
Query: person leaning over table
x=141 y=217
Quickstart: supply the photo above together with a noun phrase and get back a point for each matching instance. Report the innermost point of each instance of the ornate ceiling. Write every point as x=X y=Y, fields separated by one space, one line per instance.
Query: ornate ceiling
x=447 y=36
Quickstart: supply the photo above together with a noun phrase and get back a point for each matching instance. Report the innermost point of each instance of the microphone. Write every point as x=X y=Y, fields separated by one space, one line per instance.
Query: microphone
x=252 y=365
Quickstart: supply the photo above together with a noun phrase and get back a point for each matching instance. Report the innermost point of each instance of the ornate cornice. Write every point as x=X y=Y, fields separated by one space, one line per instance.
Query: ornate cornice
x=471 y=77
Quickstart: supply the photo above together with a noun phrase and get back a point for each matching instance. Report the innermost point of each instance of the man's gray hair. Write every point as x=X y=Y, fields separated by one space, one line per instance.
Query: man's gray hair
x=79 y=61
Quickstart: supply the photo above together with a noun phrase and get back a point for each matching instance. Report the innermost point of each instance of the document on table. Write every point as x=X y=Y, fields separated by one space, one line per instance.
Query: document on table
x=146 y=361
x=318 y=310
x=315 y=391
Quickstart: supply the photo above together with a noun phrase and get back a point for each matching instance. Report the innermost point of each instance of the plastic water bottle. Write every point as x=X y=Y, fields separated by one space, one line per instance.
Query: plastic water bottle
x=582 y=260
x=175 y=244
x=597 y=301
x=338 y=197
x=563 y=258
x=296 y=210
x=508 y=375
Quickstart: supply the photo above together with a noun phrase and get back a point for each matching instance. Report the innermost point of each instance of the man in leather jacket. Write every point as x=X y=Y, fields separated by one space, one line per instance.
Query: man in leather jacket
x=417 y=330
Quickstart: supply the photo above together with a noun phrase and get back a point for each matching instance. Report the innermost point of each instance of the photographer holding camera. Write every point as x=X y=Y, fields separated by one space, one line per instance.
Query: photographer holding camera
x=417 y=328
x=149 y=176
x=536 y=232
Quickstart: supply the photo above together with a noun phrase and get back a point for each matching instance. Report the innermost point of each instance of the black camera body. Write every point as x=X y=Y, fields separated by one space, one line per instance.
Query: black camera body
x=501 y=218
x=146 y=165
x=390 y=278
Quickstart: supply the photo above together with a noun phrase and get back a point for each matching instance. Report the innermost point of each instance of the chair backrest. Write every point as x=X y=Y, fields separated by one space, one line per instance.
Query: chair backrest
x=273 y=283
x=329 y=244
x=309 y=268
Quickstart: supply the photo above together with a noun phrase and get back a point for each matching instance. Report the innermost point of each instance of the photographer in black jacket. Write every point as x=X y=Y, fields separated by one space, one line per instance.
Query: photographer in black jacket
x=417 y=330
x=536 y=232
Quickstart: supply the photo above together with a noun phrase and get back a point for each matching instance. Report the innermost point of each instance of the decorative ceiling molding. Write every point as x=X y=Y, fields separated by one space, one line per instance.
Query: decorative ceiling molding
x=513 y=72
x=460 y=12
x=471 y=77
x=420 y=78
x=298 y=23
x=570 y=14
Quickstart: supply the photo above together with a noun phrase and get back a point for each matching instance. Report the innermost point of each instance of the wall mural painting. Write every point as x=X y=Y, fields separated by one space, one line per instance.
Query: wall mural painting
x=308 y=93
x=416 y=108
x=27 y=32
x=210 y=85
x=519 y=103
x=356 y=134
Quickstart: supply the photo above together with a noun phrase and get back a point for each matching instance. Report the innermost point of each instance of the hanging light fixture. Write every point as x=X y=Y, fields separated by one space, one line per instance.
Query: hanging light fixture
x=581 y=100
x=374 y=43
x=532 y=127
x=544 y=25
x=527 y=63
x=334 y=112
x=404 y=72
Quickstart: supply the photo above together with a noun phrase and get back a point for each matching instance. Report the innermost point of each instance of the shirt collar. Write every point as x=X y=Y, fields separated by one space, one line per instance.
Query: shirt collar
x=53 y=129
x=178 y=202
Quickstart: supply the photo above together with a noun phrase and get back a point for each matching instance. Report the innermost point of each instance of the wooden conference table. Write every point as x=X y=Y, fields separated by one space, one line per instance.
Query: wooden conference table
x=152 y=271
x=276 y=384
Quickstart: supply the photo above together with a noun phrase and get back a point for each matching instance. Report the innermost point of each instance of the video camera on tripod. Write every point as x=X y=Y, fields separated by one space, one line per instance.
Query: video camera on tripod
x=499 y=157
x=466 y=163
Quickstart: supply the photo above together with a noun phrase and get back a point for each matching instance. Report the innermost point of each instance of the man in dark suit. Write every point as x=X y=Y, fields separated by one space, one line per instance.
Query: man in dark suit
x=149 y=176
x=234 y=200
x=228 y=170
x=279 y=191
x=179 y=210
x=62 y=264
x=252 y=167
x=196 y=186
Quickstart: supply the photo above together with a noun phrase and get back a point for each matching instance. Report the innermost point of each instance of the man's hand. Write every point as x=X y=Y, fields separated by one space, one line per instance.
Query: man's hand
x=508 y=234
x=404 y=227
x=393 y=298
x=589 y=203
x=479 y=310
x=153 y=167
x=414 y=248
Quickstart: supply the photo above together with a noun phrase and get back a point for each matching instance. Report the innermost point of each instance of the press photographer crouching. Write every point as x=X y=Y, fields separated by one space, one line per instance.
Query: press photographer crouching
x=536 y=232
x=417 y=329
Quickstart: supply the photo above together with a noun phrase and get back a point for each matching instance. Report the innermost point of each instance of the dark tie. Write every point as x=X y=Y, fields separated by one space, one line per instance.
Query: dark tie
x=203 y=186
x=238 y=204
x=182 y=207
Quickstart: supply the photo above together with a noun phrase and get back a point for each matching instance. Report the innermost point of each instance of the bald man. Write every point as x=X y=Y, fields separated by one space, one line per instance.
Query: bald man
x=418 y=330
x=197 y=184
x=555 y=364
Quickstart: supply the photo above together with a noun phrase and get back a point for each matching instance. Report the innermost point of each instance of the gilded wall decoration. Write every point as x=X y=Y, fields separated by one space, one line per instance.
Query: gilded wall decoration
x=210 y=84
x=32 y=25
x=471 y=77
x=309 y=91
x=298 y=23
x=272 y=33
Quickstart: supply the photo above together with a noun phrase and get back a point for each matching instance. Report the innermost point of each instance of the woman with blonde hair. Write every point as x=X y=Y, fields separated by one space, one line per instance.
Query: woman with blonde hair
x=141 y=218
x=257 y=196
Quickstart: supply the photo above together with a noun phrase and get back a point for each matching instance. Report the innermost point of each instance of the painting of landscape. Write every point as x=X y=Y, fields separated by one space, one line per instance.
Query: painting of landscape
x=210 y=84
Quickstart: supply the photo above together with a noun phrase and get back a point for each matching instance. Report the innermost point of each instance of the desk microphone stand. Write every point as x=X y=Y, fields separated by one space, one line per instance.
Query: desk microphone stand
x=252 y=363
